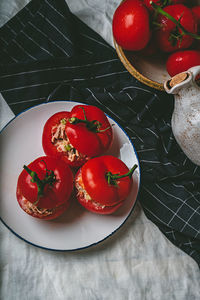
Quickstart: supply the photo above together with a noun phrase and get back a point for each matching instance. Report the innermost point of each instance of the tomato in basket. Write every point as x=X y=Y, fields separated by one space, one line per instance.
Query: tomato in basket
x=130 y=25
x=181 y=61
x=171 y=36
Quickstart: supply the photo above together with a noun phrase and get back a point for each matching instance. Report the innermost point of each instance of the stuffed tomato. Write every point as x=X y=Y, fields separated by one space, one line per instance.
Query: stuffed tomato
x=44 y=188
x=103 y=184
x=78 y=135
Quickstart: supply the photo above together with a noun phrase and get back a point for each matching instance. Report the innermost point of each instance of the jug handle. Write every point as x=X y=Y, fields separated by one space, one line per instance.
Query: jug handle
x=184 y=79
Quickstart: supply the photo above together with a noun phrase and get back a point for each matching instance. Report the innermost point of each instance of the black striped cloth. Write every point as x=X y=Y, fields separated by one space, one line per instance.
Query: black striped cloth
x=47 y=53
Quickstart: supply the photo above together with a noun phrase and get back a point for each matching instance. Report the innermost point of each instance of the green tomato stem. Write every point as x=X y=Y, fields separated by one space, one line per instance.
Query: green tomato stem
x=35 y=179
x=112 y=178
x=159 y=10
x=49 y=178
x=93 y=125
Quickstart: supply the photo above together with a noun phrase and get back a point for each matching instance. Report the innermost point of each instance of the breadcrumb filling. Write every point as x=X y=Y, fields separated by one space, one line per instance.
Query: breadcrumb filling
x=81 y=192
x=62 y=143
x=31 y=208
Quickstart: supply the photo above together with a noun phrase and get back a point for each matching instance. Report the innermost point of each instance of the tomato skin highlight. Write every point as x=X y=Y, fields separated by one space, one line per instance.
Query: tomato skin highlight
x=130 y=19
x=167 y=27
x=181 y=61
x=109 y=197
x=56 y=196
x=89 y=142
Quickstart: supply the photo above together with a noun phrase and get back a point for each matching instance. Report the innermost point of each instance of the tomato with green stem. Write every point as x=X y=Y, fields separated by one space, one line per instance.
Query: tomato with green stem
x=176 y=27
x=103 y=184
x=78 y=135
x=44 y=188
x=89 y=130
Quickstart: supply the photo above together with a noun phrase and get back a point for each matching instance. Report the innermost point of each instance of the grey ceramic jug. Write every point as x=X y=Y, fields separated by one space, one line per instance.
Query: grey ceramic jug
x=185 y=120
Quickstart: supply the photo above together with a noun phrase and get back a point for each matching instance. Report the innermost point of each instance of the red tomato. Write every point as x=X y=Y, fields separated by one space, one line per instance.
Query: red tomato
x=196 y=13
x=96 y=192
x=56 y=143
x=44 y=188
x=182 y=61
x=89 y=130
x=78 y=140
x=168 y=36
x=131 y=25
x=53 y=135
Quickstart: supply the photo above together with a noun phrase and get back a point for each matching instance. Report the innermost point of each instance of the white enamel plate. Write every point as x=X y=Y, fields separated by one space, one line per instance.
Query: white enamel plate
x=20 y=143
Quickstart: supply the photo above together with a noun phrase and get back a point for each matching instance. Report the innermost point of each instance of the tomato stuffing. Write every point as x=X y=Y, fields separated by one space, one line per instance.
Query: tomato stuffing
x=56 y=143
x=103 y=183
x=44 y=188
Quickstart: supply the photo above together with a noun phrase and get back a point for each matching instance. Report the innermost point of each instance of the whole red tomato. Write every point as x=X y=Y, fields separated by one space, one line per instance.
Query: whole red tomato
x=181 y=61
x=77 y=135
x=171 y=38
x=103 y=183
x=44 y=188
x=131 y=25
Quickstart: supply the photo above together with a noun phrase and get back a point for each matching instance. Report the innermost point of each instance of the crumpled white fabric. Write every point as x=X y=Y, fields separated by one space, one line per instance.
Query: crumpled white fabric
x=137 y=262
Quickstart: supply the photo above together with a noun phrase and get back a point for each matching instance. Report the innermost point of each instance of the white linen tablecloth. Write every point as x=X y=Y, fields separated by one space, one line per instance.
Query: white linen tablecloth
x=137 y=262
